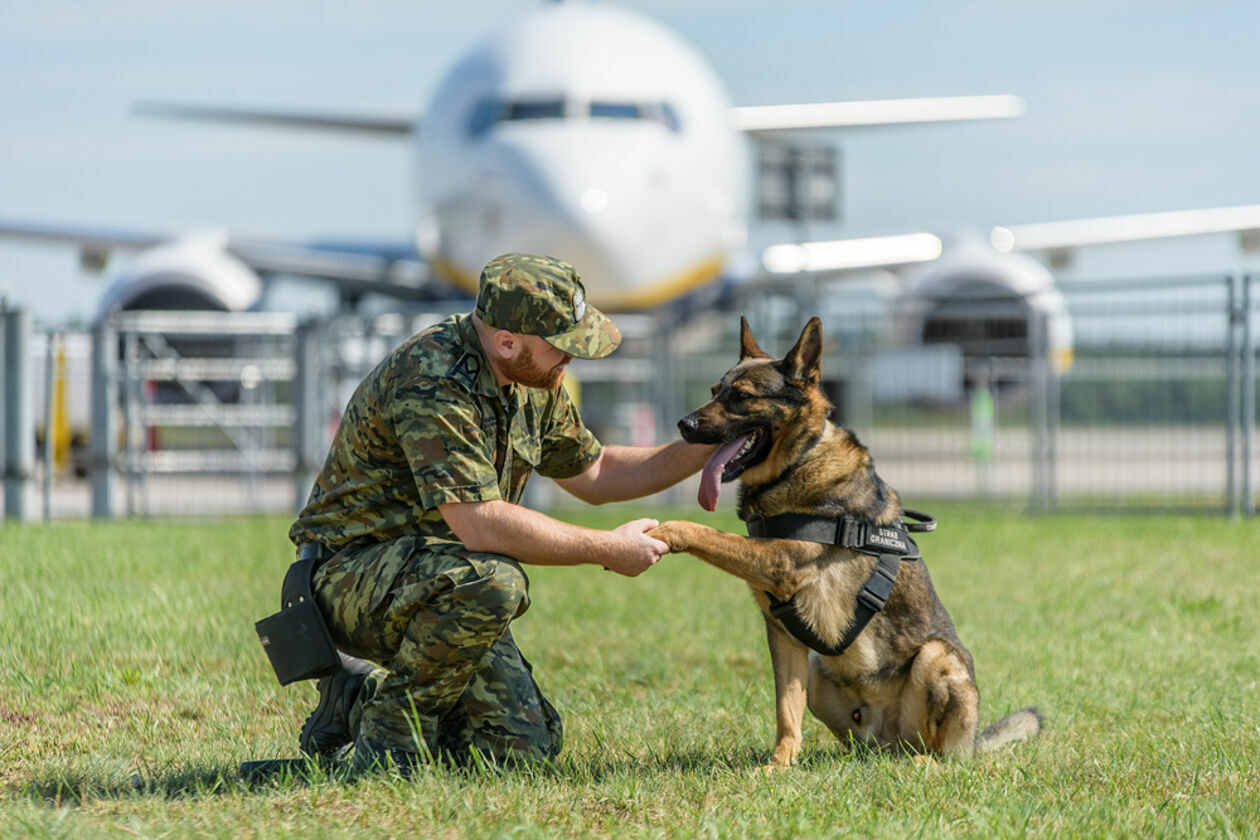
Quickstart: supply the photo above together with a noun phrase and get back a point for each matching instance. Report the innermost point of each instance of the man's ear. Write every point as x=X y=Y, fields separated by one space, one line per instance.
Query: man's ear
x=748 y=348
x=507 y=345
x=803 y=363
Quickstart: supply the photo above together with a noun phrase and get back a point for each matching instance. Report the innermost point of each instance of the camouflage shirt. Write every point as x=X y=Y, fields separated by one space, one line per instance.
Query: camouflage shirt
x=431 y=425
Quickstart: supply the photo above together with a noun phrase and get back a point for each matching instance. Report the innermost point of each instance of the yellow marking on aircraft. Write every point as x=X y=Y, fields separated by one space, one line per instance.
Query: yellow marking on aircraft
x=667 y=289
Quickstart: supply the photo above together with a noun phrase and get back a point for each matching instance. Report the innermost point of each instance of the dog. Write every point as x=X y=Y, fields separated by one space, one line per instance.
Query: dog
x=905 y=682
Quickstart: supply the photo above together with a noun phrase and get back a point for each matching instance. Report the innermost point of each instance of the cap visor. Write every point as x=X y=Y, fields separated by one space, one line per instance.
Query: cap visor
x=594 y=337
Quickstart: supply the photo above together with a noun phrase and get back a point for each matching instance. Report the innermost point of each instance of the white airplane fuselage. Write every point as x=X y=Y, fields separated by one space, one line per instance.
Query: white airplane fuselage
x=591 y=134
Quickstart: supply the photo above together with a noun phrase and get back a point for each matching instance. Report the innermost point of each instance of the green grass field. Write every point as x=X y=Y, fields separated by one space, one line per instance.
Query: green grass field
x=133 y=685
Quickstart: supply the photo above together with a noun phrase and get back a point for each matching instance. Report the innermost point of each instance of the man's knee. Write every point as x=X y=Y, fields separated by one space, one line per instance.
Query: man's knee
x=500 y=588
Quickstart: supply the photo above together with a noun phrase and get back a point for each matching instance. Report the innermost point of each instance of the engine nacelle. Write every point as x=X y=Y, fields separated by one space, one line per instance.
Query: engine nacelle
x=193 y=272
x=984 y=303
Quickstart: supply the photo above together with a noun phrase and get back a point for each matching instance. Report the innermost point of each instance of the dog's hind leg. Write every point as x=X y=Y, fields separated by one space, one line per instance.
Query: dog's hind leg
x=940 y=703
x=790 y=660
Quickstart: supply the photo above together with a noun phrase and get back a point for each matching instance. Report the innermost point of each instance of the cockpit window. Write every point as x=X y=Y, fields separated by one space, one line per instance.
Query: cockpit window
x=545 y=109
x=489 y=112
x=661 y=112
x=669 y=116
x=484 y=115
x=615 y=111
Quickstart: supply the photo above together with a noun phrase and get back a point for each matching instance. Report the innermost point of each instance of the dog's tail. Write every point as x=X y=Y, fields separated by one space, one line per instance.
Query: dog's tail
x=1017 y=726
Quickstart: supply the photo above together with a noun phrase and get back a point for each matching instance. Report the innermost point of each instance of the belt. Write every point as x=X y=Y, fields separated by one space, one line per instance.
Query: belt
x=314 y=551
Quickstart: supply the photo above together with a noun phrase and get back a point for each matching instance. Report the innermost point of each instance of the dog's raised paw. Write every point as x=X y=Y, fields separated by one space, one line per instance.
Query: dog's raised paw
x=671 y=533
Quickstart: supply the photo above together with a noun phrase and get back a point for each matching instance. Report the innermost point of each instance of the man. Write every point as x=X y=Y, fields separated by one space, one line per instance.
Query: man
x=417 y=514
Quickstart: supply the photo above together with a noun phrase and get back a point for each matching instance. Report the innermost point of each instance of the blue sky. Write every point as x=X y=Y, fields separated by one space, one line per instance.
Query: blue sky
x=1134 y=105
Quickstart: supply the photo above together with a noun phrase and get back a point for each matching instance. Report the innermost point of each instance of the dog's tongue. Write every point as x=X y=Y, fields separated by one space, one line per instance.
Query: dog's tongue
x=711 y=478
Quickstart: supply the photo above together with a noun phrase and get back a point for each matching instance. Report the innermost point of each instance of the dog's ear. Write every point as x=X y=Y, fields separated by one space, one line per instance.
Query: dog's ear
x=748 y=348
x=803 y=363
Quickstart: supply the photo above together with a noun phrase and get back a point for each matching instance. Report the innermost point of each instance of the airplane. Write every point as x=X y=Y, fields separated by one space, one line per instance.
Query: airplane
x=582 y=130
x=594 y=133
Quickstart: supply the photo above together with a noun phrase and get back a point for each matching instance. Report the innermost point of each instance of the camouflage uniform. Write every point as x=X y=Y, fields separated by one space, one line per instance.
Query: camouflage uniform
x=430 y=425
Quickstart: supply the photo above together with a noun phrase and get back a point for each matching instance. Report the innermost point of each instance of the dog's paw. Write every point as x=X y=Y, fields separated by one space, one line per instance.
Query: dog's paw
x=772 y=768
x=674 y=533
x=784 y=756
x=926 y=762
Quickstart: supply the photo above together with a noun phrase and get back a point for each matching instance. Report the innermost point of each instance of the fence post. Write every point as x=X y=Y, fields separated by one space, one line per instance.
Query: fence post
x=306 y=404
x=1043 y=406
x=1233 y=410
x=19 y=423
x=4 y=403
x=50 y=373
x=104 y=428
x=1248 y=398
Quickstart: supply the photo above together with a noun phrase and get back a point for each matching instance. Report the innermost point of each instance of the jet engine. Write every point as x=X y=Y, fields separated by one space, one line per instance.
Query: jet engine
x=989 y=305
x=194 y=272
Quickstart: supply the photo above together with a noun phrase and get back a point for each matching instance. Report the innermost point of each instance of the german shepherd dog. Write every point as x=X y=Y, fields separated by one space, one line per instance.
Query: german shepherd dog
x=906 y=682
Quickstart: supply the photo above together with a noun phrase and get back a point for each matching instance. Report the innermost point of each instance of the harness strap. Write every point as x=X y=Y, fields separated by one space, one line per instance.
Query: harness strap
x=845 y=531
x=870 y=600
x=889 y=543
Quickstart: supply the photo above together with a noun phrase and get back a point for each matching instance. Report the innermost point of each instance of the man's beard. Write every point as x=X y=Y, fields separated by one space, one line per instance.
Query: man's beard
x=524 y=370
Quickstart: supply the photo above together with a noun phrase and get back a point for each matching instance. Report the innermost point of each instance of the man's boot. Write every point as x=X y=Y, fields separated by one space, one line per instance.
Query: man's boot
x=370 y=757
x=327 y=729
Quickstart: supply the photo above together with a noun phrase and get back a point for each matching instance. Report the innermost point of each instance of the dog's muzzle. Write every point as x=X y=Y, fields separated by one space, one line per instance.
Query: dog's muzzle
x=688 y=427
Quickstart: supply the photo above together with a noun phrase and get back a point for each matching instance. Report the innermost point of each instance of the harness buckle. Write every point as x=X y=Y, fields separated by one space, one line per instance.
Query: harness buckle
x=851 y=533
x=874 y=593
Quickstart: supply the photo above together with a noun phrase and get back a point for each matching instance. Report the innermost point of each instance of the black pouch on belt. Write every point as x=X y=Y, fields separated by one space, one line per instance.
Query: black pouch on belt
x=296 y=639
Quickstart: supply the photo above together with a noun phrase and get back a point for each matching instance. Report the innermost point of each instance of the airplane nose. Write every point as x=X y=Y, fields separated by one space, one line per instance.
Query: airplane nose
x=605 y=197
x=578 y=197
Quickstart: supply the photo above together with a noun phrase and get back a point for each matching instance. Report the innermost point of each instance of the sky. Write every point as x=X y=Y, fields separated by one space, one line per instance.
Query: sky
x=1133 y=106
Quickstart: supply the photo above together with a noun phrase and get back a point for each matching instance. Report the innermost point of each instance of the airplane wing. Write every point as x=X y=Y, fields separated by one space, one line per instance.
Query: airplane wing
x=852 y=254
x=381 y=124
x=753 y=119
x=767 y=118
x=354 y=268
x=1055 y=239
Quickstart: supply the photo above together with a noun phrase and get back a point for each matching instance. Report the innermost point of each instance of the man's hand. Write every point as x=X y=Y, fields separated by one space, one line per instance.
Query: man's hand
x=634 y=552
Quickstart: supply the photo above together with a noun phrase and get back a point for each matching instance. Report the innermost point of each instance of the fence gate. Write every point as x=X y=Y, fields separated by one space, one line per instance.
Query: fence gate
x=205 y=394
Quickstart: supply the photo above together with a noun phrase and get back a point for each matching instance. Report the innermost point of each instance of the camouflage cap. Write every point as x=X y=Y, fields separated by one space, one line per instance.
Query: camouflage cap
x=542 y=296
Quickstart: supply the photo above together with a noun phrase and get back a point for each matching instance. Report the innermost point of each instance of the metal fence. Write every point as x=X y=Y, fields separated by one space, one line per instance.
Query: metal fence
x=211 y=413
x=1154 y=410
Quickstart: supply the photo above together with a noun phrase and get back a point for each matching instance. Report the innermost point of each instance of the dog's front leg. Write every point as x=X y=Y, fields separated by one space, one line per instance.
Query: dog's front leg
x=771 y=565
x=790 y=661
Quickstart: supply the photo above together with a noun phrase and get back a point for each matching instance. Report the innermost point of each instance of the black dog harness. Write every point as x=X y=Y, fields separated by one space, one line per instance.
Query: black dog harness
x=889 y=543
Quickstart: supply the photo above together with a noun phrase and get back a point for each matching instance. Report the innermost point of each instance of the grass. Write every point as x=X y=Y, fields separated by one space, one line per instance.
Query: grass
x=132 y=686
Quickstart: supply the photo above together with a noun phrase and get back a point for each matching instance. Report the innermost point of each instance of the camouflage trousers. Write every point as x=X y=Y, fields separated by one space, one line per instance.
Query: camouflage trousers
x=435 y=616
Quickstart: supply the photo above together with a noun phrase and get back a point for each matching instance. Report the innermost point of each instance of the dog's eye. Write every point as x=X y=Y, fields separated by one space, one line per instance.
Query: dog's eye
x=857 y=715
